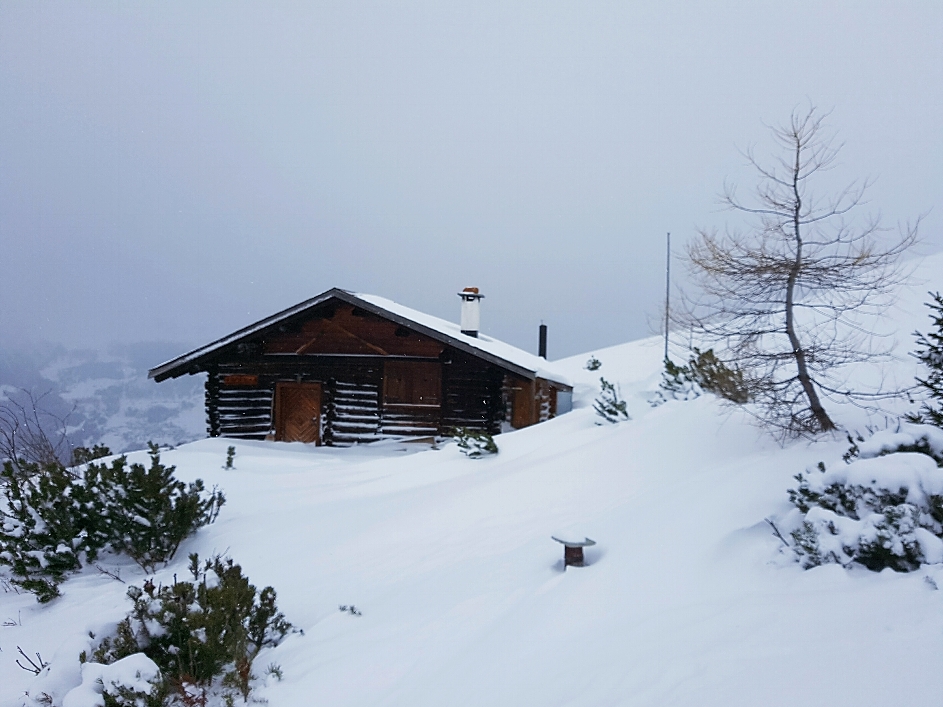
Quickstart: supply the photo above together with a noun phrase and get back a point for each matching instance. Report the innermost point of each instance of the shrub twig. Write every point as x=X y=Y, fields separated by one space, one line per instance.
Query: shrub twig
x=34 y=669
x=776 y=531
x=114 y=575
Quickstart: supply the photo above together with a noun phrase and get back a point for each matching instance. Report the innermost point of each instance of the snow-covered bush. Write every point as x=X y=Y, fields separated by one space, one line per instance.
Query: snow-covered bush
x=54 y=520
x=133 y=681
x=703 y=372
x=930 y=354
x=474 y=443
x=883 y=508
x=609 y=405
x=202 y=634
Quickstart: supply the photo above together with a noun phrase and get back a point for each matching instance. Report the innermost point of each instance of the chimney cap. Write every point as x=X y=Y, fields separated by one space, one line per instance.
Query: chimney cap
x=470 y=293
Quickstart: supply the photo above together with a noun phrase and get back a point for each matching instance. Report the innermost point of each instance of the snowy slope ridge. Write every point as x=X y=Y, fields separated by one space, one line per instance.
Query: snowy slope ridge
x=686 y=600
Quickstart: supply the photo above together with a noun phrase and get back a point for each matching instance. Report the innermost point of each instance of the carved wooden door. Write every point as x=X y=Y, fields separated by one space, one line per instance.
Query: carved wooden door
x=298 y=412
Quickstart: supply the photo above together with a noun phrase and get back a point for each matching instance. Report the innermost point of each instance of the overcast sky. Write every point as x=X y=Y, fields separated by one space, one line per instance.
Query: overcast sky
x=175 y=171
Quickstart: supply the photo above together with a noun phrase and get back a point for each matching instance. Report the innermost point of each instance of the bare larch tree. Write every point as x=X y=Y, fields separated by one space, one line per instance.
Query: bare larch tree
x=788 y=300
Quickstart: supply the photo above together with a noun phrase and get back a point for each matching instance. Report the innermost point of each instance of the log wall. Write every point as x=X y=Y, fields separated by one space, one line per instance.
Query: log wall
x=475 y=394
x=351 y=411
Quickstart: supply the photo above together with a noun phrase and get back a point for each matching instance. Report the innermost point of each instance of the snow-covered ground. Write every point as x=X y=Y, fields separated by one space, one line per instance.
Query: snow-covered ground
x=686 y=599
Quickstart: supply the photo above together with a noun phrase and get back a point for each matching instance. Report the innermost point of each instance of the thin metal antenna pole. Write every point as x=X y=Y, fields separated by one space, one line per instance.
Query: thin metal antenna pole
x=667 y=291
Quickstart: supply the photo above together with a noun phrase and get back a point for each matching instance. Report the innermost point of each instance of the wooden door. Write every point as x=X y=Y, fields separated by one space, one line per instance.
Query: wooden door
x=298 y=412
x=524 y=405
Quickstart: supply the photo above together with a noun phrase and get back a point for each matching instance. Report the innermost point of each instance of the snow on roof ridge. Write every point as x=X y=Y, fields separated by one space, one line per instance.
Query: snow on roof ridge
x=541 y=367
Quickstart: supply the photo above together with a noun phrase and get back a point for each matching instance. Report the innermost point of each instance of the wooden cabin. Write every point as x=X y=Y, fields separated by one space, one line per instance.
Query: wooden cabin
x=344 y=368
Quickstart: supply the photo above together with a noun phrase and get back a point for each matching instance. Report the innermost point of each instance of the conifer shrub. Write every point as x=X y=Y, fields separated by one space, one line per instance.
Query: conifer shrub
x=84 y=455
x=157 y=511
x=204 y=634
x=474 y=444
x=930 y=353
x=704 y=372
x=677 y=383
x=48 y=525
x=882 y=509
x=609 y=405
x=53 y=521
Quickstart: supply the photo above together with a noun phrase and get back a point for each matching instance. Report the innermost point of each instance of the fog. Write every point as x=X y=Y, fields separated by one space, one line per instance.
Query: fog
x=174 y=171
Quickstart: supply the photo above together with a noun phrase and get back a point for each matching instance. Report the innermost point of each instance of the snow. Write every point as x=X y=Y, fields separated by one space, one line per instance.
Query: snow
x=917 y=473
x=135 y=672
x=907 y=435
x=462 y=594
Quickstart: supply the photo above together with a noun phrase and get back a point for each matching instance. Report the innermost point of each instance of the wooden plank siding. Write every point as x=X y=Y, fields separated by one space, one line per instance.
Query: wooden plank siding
x=473 y=394
x=529 y=402
x=343 y=329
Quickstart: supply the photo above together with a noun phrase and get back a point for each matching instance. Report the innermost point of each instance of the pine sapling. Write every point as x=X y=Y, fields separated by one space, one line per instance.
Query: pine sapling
x=474 y=443
x=609 y=405
x=56 y=519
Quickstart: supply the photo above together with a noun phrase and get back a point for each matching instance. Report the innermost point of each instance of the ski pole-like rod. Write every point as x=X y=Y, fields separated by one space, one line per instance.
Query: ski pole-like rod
x=667 y=290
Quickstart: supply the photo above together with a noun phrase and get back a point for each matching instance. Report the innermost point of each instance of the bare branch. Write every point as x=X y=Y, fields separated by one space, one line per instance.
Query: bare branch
x=792 y=298
x=30 y=432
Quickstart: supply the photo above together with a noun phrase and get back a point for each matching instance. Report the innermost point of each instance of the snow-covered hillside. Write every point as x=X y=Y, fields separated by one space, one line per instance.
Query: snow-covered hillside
x=106 y=396
x=686 y=599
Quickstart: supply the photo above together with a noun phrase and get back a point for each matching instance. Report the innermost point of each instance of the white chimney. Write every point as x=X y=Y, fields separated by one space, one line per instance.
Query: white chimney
x=471 y=311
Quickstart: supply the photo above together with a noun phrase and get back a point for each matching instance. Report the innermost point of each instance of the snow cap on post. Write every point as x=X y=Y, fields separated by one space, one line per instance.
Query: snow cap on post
x=471 y=311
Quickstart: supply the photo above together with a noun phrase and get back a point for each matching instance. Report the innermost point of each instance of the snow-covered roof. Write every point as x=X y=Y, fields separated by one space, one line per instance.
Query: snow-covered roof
x=509 y=357
x=535 y=364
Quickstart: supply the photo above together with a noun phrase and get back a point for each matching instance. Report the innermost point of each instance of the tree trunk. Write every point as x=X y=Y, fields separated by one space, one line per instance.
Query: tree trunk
x=815 y=405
